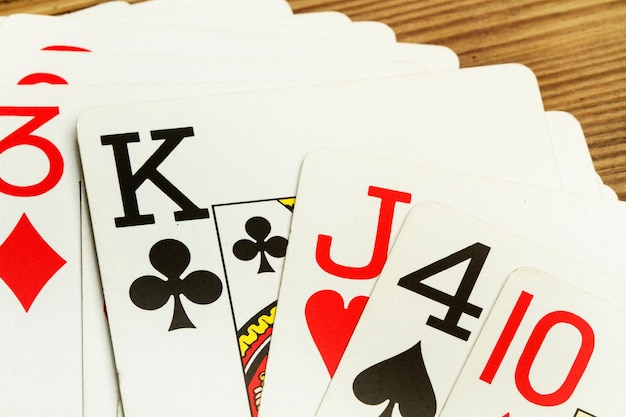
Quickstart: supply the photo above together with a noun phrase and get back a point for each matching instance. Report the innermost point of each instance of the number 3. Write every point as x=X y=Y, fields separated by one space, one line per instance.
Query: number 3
x=24 y=136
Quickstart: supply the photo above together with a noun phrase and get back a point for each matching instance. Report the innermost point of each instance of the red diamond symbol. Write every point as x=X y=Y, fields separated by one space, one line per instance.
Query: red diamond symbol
x=27 y=262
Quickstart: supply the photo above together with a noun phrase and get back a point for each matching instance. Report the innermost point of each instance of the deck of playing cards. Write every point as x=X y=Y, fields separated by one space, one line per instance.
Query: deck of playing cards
x=228 y=209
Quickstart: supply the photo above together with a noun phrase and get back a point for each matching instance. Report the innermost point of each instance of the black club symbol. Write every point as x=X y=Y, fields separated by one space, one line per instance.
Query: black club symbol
x=258 y=228
x=171 y=257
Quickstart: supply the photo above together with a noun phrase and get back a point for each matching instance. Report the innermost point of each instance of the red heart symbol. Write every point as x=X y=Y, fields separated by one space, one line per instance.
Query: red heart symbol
x=331 y=325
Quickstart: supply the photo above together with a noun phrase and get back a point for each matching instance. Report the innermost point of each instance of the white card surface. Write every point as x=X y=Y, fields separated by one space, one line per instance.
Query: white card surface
x=311 y=18
x=220 y=151
x=235 y=9
x=99 y=9
x=427 y=308
x=39 y=261
x=332 y=183
x=572 y=154
x=37 y=32
x=361 y=31
x=548 y=349
x=100 y=391
x=56 y=67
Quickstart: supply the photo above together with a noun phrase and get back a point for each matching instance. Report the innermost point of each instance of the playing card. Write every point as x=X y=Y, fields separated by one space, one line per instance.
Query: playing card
x=99 y=9
x=572 y=154
x=254 y=16
x=548 y=348
x=257 y=20
x=39 y=262
x=361 y=31
x=333 y=247
x=220 y=163
x=62 y=67
x=100 y=392
x=206 y=18
x=236 y=9
x=146 y=6
x=427 y=308
x=325 y=17
x=139 y=11
x=37 y=32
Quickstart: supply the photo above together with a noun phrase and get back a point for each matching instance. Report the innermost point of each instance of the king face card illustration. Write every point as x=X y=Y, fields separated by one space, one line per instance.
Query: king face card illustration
x=253 y=243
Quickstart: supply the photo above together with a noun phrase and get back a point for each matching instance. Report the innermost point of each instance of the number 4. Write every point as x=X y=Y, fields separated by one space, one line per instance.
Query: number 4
x=457 y=303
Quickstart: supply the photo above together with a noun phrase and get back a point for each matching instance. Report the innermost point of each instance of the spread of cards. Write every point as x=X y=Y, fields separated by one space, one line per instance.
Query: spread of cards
x=223 y=208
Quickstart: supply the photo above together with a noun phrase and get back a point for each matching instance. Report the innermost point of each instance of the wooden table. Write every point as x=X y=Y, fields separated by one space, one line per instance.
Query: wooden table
x=577 y=49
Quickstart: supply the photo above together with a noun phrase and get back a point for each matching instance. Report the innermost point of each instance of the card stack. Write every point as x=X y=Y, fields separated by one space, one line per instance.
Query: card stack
x=183 y=182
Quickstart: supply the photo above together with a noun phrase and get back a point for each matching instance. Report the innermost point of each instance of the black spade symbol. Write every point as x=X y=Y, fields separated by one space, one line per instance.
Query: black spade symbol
x=258 y=228
x=402 y=380
x=171 y=257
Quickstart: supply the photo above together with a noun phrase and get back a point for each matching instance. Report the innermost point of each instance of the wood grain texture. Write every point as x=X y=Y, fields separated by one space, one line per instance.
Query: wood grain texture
x=577 y=49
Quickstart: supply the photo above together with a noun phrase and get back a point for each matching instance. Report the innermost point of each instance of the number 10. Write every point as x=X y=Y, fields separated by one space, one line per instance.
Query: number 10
x=534 y=343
